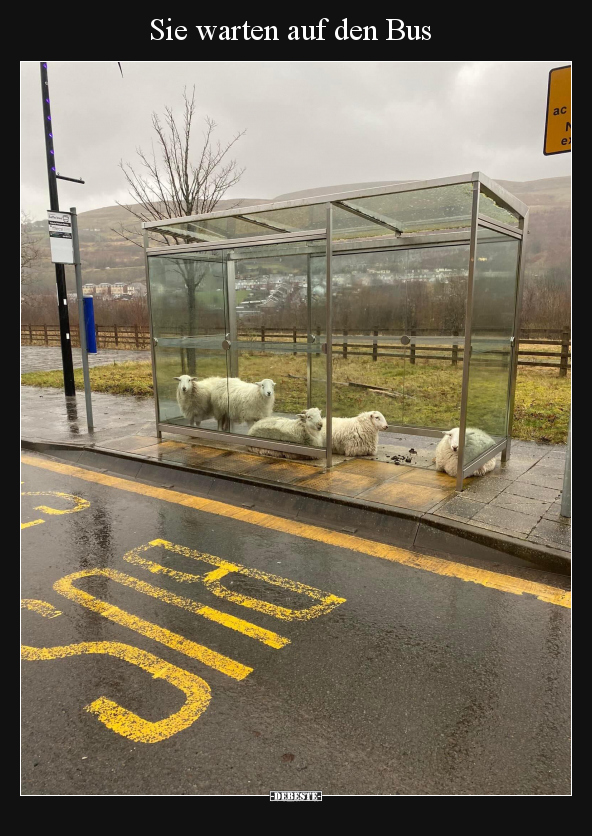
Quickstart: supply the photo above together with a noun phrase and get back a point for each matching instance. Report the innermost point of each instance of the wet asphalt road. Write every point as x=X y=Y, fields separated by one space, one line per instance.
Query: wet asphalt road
x=416 y=684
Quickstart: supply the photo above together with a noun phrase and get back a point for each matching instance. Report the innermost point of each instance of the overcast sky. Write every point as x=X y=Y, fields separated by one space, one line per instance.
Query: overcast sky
x=308 y=124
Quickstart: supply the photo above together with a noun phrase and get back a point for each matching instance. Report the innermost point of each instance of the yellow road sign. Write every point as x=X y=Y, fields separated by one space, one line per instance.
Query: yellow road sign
x=558 y=121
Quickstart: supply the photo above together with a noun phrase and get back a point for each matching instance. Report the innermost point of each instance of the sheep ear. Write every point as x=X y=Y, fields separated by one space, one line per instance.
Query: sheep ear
x=177 y=378
x=273 y=383
x=192 y=378
x=447 y=432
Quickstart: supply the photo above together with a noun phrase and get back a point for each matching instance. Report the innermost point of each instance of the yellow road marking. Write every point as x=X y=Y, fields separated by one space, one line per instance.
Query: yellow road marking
x=79 y=503
x=116 y=717
x=209 y=657
x=211 y=580
x=260 y=633
x=436 y=565
x=110 y=713
x=41 y=607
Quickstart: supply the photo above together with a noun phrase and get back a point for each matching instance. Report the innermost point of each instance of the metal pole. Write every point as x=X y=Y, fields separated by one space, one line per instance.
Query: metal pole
x=516 y=343
x=153 y=339
x=309 y=337
x=81 y=328
x=232 y=323
x=468 y=336
x=54 y=205
x=329 y=343
x=566 y=495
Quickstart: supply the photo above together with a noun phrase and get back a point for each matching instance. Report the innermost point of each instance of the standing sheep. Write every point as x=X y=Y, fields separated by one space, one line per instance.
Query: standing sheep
x=356 y=436
x=305 y=429
x=236 y=400
x=194 y=398
x=476 y=442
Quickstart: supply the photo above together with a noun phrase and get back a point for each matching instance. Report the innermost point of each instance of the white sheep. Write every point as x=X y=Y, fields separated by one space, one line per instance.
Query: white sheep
x=476 y=442
x=234 y=399
x=194 y=398
x=305 y=429
x=356 y=436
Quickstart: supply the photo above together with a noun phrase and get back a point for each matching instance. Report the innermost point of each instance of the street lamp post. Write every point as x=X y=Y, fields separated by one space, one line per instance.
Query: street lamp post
x=65 y=341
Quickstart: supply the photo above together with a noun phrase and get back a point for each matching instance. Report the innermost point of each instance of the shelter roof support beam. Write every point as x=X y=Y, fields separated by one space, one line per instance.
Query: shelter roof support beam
x=370 y=215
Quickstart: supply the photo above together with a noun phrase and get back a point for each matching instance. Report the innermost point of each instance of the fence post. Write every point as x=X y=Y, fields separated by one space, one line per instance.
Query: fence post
x=137 y=336
x=345 y=343
x=375 y=346
x=412 y=348
x=46 y=338
x=262 y=333
x=564 y=351
x=455 y=350
x=30 y=335
x=295 y=338
x=116 y=335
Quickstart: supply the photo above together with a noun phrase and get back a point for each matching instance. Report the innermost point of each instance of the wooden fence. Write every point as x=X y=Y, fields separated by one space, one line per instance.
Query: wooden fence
x=108 y=336
x=558 y=354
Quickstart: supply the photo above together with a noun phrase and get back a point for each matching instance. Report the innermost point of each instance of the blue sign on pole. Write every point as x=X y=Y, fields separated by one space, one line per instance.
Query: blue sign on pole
x=89 y=324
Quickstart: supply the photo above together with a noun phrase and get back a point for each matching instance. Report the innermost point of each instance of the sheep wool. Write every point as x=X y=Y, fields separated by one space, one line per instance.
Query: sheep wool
x=306 y=429
x=476 y=442
x=236 y=400
x=356 y=436
x=194 y=399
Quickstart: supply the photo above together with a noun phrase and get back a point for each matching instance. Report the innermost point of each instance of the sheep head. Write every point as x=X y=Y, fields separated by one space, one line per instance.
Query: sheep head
x=376 y=419
x=185 y=382
x=266 y=387
x=452 y=438
x=312 y=418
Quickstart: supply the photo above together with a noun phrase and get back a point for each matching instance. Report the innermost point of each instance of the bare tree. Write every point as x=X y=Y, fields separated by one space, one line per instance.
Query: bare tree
x=30 y=249
x=176 y=181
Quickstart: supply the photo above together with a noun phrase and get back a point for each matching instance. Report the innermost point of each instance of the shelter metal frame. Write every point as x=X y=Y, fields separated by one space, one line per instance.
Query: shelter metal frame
x=279 y=234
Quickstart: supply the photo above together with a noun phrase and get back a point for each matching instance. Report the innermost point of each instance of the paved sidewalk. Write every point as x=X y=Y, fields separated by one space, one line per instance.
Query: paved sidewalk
x=520 y=499
x=41 y=358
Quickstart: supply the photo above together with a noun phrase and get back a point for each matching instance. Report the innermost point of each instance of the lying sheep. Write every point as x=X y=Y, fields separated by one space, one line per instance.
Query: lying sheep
x=305 y=429
x=236 y=400
x=356 y=436
x=476 y=442
x=194 y=398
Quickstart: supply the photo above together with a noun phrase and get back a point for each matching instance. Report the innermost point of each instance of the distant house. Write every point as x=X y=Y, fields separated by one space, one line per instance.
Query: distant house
x=103 y=289
x=88 y=289
x=136 y=289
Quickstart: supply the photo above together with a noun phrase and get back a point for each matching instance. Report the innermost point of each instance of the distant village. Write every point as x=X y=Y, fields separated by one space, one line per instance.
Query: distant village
x=119 y=290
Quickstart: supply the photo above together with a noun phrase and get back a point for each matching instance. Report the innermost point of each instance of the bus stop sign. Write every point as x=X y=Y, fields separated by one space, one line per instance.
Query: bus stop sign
x=60 y=237
x=558 y=121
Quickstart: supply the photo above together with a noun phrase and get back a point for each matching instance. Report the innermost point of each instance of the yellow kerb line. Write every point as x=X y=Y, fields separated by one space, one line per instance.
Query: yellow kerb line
x=436 y=565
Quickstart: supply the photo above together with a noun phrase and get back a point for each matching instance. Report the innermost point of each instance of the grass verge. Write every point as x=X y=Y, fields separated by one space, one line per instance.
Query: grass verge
x=425 y=394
